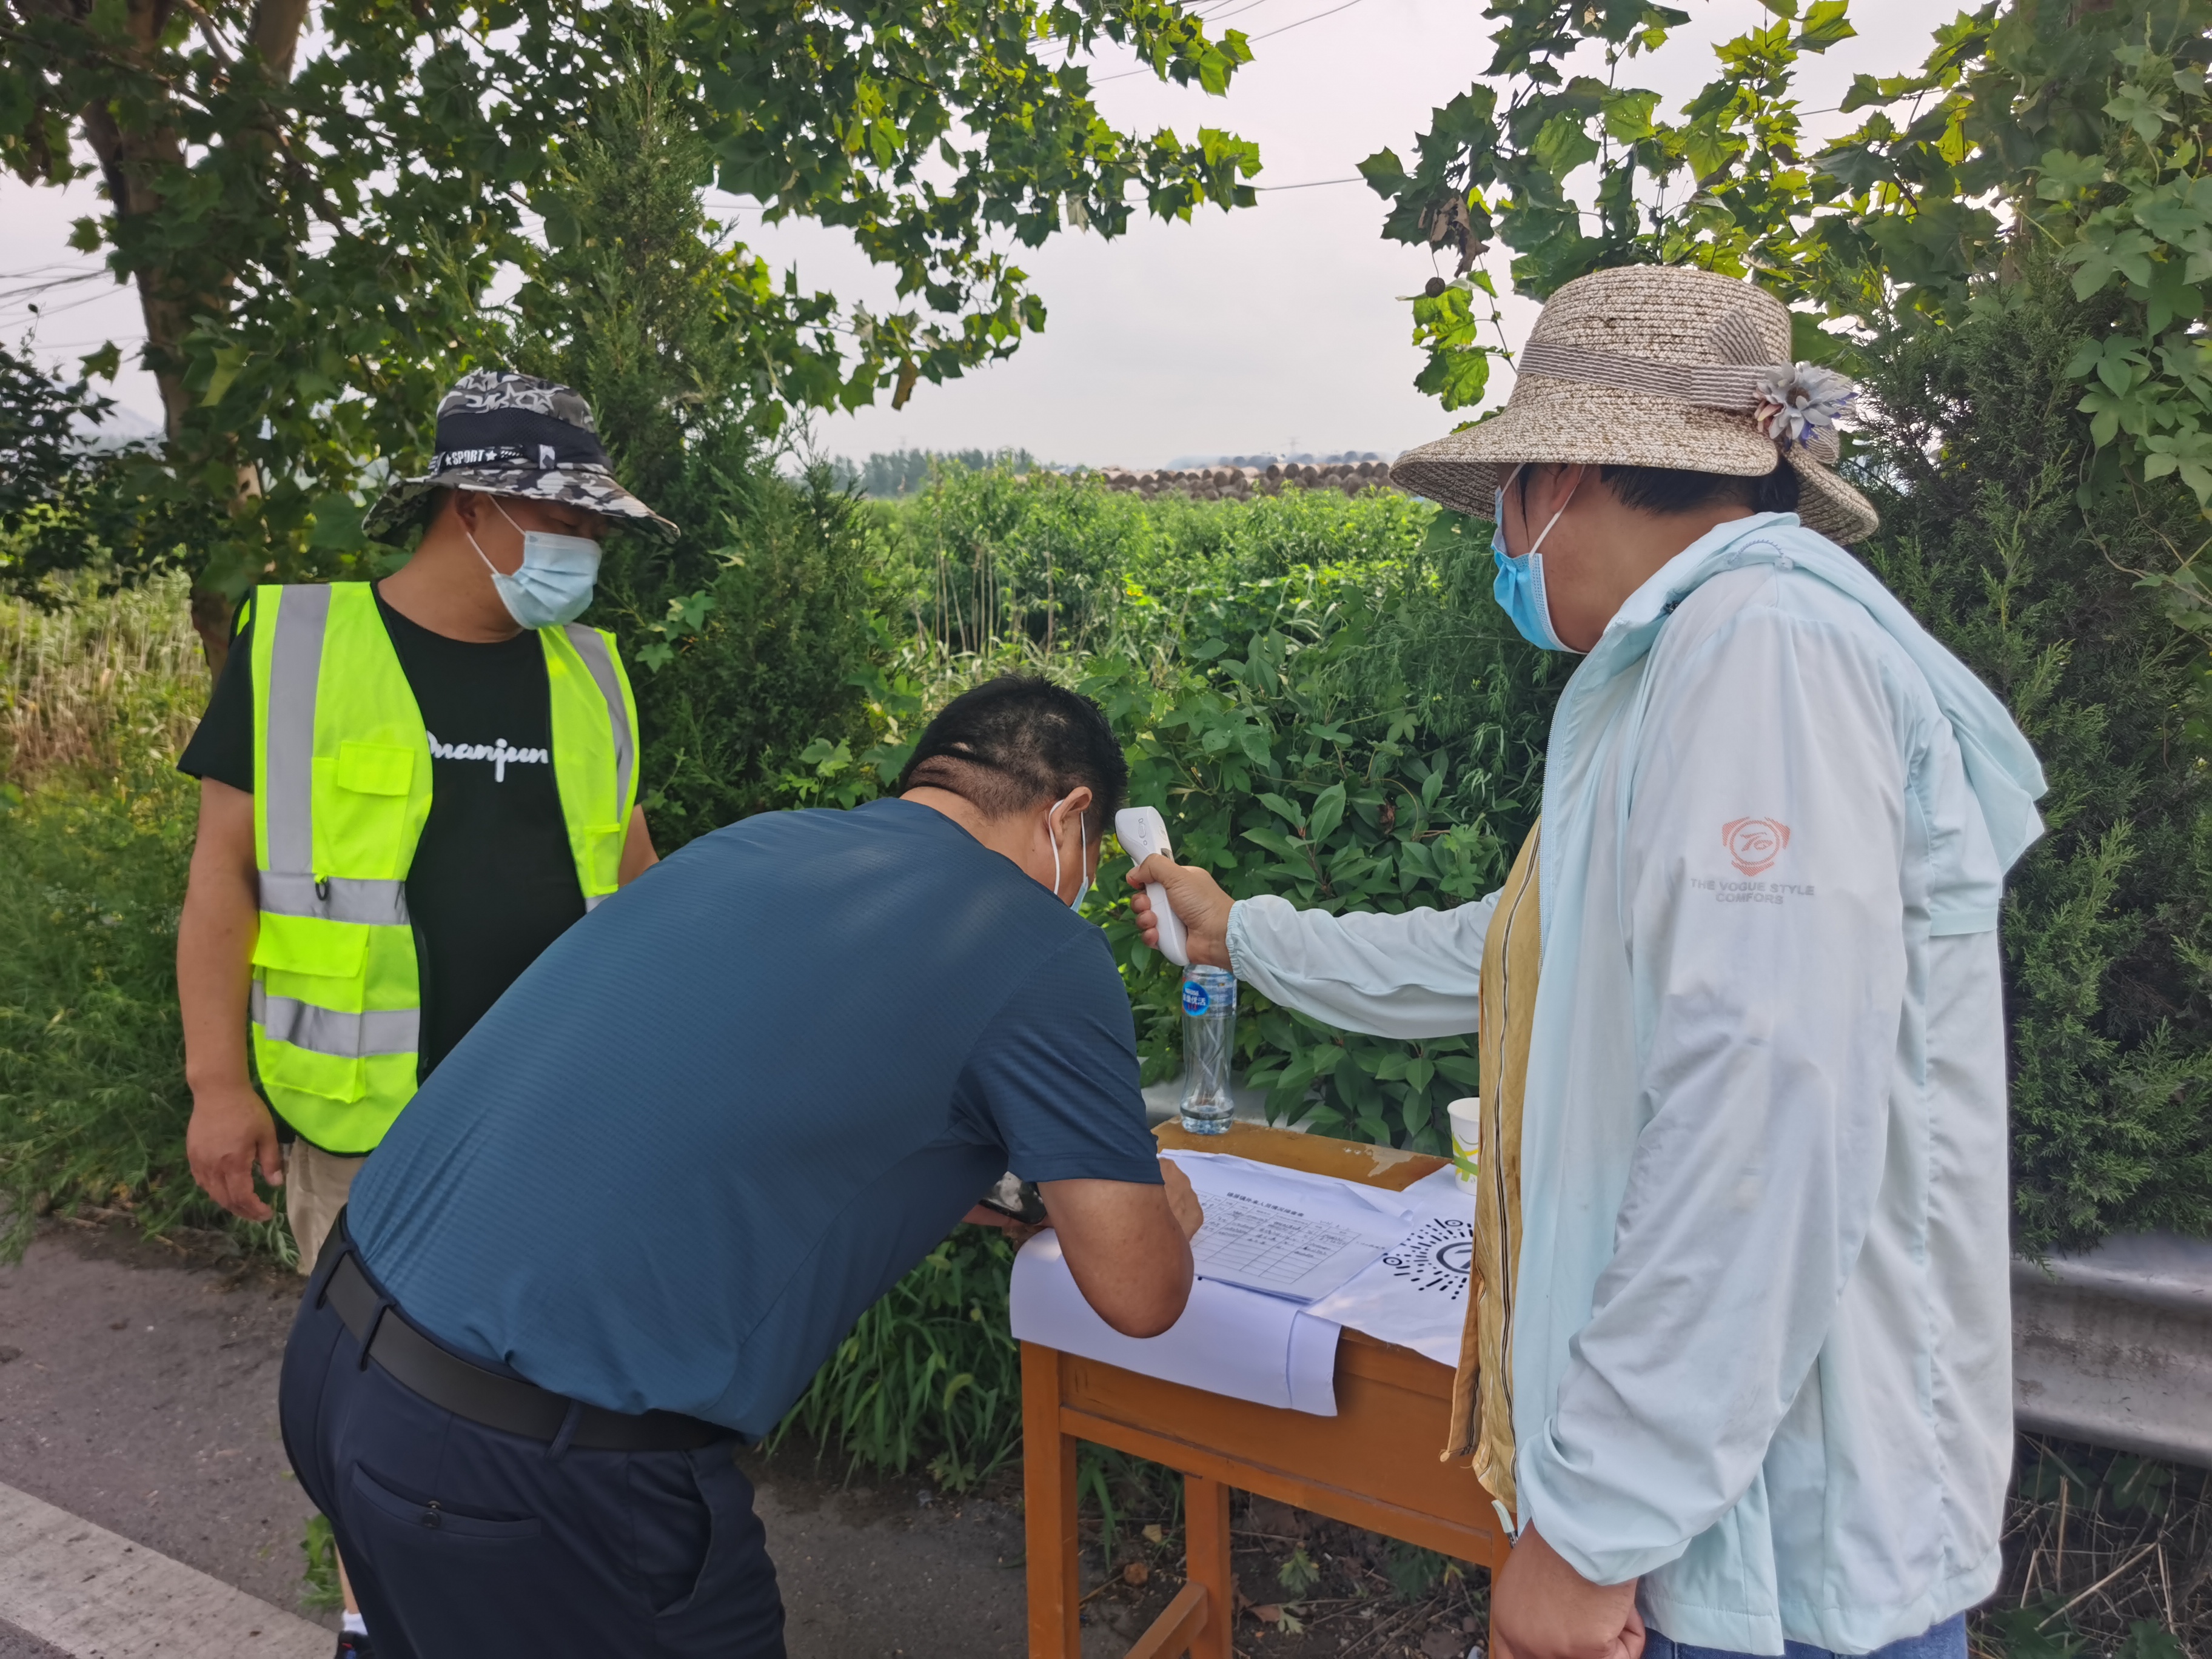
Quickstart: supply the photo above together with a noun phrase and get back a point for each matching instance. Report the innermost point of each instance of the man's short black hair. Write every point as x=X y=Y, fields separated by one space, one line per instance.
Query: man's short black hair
x=1019 y=739
x=1665 y=490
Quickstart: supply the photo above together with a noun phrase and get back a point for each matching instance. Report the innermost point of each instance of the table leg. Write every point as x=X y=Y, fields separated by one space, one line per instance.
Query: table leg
x=1055 y=1588
x=1205 y=1537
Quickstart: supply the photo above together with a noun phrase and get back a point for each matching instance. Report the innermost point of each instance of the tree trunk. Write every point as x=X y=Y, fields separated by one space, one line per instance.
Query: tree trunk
x=133 y=161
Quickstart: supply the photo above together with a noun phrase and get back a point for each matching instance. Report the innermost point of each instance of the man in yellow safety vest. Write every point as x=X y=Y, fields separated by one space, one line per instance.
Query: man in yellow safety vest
x=408 y=790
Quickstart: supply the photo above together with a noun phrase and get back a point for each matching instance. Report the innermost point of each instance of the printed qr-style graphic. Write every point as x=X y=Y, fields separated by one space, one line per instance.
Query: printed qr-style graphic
x=1438 y=1257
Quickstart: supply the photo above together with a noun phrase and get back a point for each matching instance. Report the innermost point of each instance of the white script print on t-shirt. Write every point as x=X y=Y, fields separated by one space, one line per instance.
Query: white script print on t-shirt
x=499 y=754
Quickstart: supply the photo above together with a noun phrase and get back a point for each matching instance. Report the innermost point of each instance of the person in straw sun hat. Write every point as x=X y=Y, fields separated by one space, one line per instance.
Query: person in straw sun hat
x=1654 y=367
x=1737 y=1362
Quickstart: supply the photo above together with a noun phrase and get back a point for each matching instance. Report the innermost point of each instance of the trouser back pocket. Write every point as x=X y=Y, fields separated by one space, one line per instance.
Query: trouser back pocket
x=452 y=1579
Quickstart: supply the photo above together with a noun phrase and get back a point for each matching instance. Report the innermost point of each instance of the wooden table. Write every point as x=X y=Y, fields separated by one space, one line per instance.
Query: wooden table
x=1375 y=1464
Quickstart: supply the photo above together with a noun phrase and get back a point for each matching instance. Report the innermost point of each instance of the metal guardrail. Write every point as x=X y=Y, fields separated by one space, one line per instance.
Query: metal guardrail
x=2114 y=1346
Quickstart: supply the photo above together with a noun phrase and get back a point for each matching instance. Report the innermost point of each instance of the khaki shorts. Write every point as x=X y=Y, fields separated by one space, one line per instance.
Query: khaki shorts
x=316 y=1183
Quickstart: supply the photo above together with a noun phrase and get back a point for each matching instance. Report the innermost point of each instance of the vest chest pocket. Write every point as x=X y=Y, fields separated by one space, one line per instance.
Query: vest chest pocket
x=308 y=945
x=375 y=769
x=369 y=800
x=307 y=960
x=339 y=1077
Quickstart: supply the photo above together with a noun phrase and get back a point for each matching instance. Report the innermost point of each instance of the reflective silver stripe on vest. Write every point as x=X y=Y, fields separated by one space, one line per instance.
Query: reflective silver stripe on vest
x=591 y=901
x=288 y=887
x=592 y=645
x=328 y=1031
x=295 y=665
x=335 y=898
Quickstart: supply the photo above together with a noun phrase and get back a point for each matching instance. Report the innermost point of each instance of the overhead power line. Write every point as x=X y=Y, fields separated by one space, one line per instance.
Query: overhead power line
x=1316 y=17
x=1303 y=22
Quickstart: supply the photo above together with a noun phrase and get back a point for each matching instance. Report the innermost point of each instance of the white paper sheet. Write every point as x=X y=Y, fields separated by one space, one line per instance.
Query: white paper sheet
x=1284 y=1233
x=1207 y=1169
x=1439 y=1192
x=1228 y=1341
x=1415 y=1294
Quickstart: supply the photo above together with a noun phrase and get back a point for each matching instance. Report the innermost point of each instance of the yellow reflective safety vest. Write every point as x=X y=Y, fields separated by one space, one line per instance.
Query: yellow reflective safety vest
x=341 y=792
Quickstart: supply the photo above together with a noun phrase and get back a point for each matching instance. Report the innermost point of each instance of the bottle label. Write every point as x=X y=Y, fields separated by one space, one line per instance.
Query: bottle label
x=1194 y=999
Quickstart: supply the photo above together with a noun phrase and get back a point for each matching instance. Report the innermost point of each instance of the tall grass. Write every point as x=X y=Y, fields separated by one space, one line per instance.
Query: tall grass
x=95 y=834
x=98 y=688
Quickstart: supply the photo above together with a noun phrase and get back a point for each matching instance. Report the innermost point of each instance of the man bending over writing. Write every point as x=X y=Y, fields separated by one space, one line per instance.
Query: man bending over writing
x=628 y=1217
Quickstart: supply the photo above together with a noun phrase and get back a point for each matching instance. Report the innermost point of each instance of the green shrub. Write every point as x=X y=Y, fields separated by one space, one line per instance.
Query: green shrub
x=1356 y=737
x=982 y=556
x=1320 y=696
x=747 y=641
x=930 y=1376
x=2108 y=920
x=1313 y=688
x=1299 y=761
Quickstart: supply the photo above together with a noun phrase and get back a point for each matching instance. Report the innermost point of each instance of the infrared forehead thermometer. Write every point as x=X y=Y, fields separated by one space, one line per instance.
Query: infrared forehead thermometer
x=1144 y=832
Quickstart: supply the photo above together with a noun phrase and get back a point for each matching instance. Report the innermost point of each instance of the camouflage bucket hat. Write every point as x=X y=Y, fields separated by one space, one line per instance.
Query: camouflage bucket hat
x=514 y=435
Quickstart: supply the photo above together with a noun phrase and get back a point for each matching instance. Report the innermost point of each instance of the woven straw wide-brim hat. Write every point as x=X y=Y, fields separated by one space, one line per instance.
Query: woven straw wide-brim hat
x=514 y=435
x=1657 y=366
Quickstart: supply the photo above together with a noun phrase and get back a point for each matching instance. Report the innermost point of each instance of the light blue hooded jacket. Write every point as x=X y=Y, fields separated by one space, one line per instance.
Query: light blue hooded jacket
x=1762 y=1342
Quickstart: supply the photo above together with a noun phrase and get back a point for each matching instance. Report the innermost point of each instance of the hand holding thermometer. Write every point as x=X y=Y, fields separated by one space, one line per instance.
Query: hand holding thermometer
x=1143 y=832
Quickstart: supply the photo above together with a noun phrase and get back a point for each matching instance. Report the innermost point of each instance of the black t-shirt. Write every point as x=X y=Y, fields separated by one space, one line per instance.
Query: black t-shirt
x=493 y=883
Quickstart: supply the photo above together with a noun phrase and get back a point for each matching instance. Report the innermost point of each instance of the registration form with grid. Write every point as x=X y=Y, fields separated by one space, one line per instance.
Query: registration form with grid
x=1281 y=1234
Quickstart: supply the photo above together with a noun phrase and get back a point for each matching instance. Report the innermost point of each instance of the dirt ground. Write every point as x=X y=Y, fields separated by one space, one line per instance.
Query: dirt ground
x=1307 y=1588
x=138 y=1390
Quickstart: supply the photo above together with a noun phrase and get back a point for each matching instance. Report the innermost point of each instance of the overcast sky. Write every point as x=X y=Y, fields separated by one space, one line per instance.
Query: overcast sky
x=1272 y=328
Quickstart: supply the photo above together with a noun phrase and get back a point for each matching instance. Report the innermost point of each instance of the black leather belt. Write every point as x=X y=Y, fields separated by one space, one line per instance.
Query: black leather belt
x=466 y=1389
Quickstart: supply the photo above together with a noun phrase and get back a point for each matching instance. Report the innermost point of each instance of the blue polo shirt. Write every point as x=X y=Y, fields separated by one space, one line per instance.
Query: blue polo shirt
x=729 y=1108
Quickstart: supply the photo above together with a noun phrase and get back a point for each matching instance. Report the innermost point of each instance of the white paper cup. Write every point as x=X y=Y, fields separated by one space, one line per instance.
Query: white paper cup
x=1466 y=1117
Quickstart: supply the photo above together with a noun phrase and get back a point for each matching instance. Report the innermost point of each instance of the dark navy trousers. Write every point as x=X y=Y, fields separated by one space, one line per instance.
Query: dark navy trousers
x=464 y=1542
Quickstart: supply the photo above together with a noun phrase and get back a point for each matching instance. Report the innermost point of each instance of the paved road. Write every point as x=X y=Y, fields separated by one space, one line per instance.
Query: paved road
x=144 y=1399
x=138 y=1392
x=17 y=1645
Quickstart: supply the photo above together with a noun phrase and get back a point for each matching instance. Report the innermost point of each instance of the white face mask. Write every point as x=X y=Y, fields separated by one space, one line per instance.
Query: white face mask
x=553 y=584
x=1083 y=834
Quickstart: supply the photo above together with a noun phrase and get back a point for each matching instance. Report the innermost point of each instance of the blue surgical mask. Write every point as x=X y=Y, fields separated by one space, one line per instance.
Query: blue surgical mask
x=553 y=584
x=1519 y=589
x=1083 y=834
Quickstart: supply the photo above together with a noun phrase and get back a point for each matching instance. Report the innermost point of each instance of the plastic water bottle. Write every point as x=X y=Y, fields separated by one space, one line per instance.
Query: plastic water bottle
x=1209 y=1045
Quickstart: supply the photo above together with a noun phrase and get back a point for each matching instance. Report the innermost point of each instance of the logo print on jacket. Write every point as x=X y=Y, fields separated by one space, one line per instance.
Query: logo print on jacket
x=1753 y=844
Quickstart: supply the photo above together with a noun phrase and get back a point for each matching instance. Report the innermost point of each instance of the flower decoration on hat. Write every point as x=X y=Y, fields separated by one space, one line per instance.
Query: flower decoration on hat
x=1801 y=403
